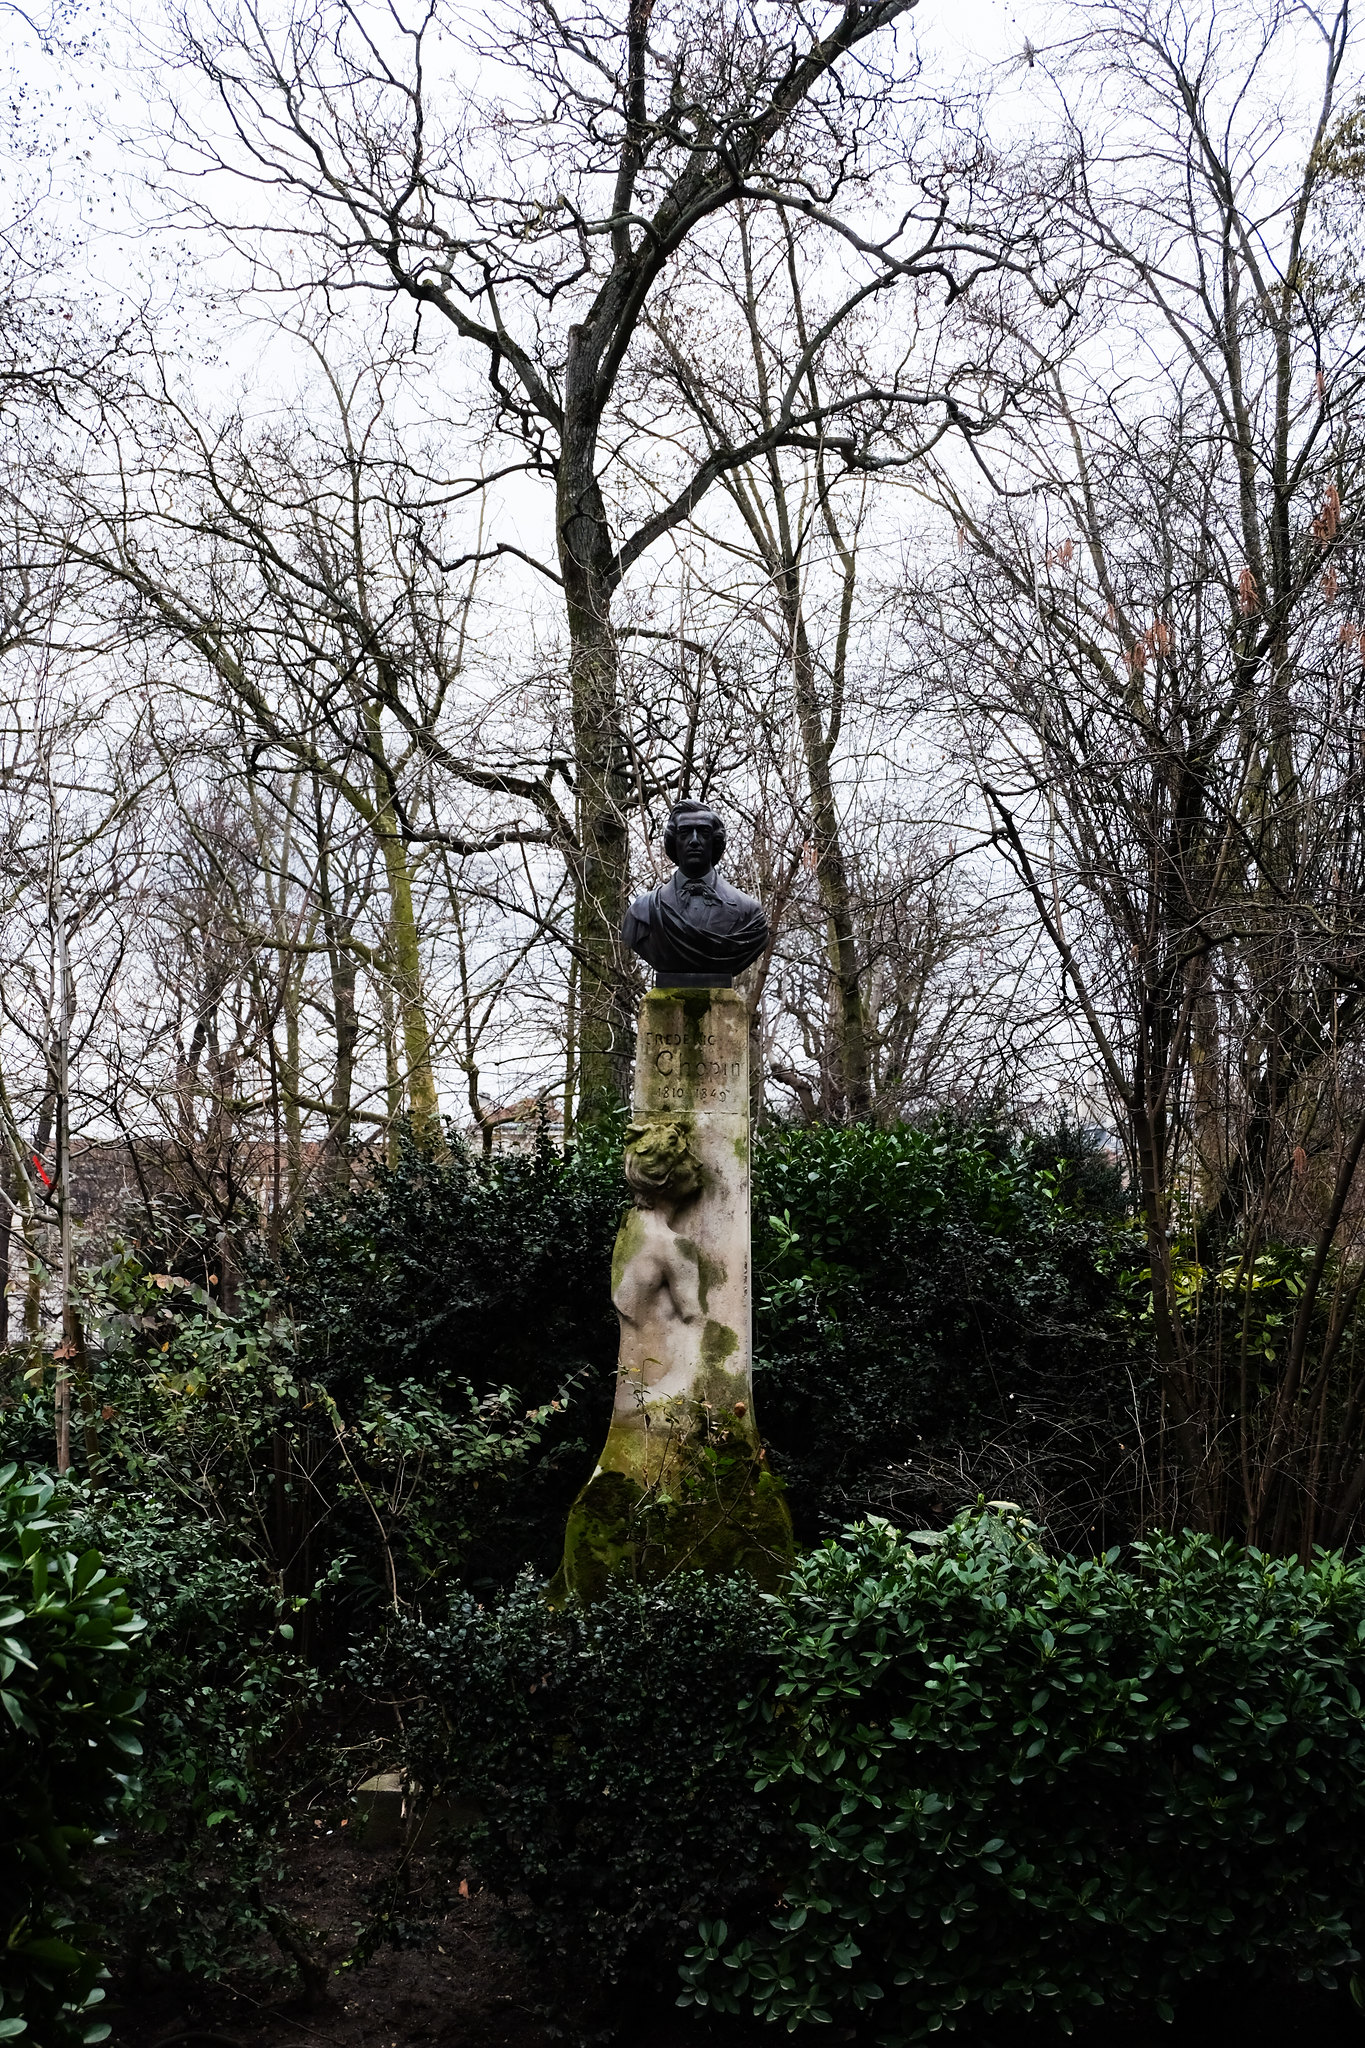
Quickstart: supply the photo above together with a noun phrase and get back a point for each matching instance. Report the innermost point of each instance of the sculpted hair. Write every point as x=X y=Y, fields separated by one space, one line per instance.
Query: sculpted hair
x=659 y=1161
x=685 y=812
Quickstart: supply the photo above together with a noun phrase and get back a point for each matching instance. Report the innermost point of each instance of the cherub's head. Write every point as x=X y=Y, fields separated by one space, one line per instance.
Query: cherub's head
x=694 y=837
x=661 y=1166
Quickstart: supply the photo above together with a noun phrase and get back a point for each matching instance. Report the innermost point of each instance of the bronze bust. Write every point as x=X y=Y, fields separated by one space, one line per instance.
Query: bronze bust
x=695 y=930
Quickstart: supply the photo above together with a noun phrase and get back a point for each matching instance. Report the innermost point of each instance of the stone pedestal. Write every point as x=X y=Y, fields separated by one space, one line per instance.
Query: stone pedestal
x=682 y=1481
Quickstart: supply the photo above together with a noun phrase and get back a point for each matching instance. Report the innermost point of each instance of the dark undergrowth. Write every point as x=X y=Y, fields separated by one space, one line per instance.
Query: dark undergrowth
x=394 y=1415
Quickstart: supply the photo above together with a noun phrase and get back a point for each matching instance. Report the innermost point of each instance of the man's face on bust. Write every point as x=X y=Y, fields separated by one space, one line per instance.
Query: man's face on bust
x=693 y=842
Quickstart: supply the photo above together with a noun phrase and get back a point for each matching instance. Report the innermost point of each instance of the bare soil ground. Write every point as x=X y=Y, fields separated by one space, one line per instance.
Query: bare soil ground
x=459 y=1987
x=456 y=1986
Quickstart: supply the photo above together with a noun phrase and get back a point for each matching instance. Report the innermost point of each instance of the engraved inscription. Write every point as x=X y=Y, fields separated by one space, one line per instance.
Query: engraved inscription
x=691 y=1074
x=671 y=1064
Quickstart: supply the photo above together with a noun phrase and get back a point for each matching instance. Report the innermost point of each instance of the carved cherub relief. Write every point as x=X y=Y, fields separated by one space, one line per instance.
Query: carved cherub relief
x=659 y=1276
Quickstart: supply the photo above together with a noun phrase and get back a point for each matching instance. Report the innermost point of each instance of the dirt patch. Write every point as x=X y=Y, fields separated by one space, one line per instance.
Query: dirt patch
x=450 y=1983
x=455 y=1985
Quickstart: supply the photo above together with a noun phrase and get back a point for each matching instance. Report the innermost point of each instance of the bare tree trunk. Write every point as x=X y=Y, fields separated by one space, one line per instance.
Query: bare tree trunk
x=33 y=1285
x=343 y=971
x=393 y=1077
x=405 y=951
x=62 y=1391
x=424 y=1109
x=292 y=1078
x=570 y=1048
x=831 y=874
x=19 y=1181
x=73 y=1369
x=605 y=1025
x=416 y=1035
x=346 y=1027
x=8 y=1191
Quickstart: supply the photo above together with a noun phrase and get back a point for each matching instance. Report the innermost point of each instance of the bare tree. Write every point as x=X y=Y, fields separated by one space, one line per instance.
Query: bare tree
x=786 y=535
x=69 y=821
x=292 y=564
x=537 y=213
x=1152 y=648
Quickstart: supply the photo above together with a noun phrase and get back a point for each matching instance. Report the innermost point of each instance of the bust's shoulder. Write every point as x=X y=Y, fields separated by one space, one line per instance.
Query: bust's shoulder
x=735 y=897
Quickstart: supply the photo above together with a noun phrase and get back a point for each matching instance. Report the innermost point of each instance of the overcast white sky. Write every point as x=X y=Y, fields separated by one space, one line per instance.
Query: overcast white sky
x=63 y=157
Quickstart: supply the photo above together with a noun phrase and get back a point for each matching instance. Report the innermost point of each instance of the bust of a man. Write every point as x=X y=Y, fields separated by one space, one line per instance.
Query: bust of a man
x=695 y=930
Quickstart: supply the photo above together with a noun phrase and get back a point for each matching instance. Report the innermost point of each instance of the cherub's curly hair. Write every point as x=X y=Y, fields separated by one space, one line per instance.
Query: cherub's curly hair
x=660 y=1163
x=702 y=812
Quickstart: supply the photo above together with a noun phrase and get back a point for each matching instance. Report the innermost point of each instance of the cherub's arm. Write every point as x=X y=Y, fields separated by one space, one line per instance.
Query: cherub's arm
x=684 y=1281
x=642 y=1279
x=644 y=1276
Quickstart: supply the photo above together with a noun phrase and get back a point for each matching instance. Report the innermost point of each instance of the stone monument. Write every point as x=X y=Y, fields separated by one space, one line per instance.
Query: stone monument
x=683 y=1480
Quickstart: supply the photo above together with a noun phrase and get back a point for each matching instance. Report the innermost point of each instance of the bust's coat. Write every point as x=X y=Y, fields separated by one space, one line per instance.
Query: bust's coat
x=696 y=927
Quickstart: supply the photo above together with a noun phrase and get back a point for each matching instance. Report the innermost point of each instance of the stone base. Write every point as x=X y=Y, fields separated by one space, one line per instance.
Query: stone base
x=712 y=1506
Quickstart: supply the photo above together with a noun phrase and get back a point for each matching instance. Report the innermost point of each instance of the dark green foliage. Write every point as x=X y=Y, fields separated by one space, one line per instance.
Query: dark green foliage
x=230 y=1751
x=1020 y=1782
x=335 y=1498
x=453 y=1271
x=488 y=1268
x=262 y=1530
x=67 y=1735
x=602 y=1749
x=913 y=1288
x=927 y=1291
x=386 y=1413
x=411 y=1399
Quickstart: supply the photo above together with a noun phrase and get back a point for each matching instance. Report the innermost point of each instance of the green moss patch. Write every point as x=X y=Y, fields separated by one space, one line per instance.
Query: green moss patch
x=716 y=1508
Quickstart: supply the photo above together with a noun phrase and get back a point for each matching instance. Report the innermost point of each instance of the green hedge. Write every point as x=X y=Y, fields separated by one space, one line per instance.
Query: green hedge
x=1017 y=1782
x=67 y=1733
x=601 y=1748
x=915 y=1288
x=944 y=1778
x=233 y=1732
x=923 y=1292
x=435 y=1277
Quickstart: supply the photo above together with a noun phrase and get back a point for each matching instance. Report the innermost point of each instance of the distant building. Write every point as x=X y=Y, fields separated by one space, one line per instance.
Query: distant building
x=516 y=1126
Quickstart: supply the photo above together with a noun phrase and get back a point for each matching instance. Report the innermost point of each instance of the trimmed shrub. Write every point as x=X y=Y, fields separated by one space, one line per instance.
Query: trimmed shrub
x=604 y=1750
x=929 y=1298
x=918 y=1292
x=67 y=1734
x=459 y=1278
x=1019 y=1782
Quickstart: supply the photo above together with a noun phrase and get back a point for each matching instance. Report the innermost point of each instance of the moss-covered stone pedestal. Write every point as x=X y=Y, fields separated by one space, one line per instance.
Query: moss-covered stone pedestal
x=683 y=1480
